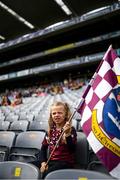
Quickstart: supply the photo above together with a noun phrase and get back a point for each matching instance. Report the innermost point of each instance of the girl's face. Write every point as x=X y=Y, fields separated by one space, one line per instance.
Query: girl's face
x=58 y=115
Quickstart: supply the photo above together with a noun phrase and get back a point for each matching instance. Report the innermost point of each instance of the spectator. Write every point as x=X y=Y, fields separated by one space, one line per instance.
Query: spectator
x=5 y=101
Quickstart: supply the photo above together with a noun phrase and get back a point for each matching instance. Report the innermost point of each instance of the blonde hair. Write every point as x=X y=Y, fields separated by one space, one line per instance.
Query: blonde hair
x=67 y=113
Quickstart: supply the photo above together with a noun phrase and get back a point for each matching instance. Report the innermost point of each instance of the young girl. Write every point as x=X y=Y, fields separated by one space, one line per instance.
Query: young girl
x=63 y=156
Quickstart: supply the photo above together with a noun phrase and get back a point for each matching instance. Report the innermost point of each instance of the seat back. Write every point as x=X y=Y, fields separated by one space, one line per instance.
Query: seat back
x=7 y=138
x=12 y=118
x=6 y=141
x=75 y=174
x=27 y=147
x=4 y=125
x=82 y=151
x=30 y=139
x=18 y=170
x=38 y=126
x=19 y=126
x=97 y=166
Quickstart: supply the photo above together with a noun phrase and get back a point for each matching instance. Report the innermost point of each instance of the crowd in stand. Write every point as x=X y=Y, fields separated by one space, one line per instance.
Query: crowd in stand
x=14 y=97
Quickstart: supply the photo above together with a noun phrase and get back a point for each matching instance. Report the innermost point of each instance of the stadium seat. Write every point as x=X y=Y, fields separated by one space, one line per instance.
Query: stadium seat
x=12 y=118
x=19 y=126
x=6 y=141
x=38 y=117
x=18 y=170
x=4 y=125
x=82 y=151
x=2 y=118
x=76 y=174
x=38 y=126
x=97 y=166
x=27 y=147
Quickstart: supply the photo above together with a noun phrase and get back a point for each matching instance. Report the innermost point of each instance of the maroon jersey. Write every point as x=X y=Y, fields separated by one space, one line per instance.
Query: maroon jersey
x=65 y=149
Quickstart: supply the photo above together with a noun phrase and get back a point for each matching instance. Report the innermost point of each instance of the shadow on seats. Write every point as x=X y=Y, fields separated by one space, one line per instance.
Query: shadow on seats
x=76 y=174
x=18 y=170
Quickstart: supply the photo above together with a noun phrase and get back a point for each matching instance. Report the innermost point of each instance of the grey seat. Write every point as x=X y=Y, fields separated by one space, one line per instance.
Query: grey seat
x=4 y=125
x=38 y=126
x=82 y=151
x=12 y=118
x=75 y=174
x=18 y=170
x=97 y=166
x=6 y=141
x=18 y=126
x=27 y=146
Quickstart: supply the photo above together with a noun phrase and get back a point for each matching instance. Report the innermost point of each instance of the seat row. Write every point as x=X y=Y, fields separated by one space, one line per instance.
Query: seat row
x=26 y=146
x=21 y=170
x=23 y=125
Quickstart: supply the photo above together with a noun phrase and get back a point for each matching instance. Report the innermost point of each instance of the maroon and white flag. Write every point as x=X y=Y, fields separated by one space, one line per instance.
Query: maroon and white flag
x=100 y=112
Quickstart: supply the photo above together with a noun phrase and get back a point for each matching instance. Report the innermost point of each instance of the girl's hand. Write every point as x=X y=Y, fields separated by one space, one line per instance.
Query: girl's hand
x=67 y=129
x=44 y=167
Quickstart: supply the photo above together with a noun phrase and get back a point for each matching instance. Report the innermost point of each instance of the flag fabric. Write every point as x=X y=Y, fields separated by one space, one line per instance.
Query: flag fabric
x=100 y=112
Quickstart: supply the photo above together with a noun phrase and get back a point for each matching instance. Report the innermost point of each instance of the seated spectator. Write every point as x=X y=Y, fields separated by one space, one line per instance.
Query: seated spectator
x=18 y=99
x=5 y=101
x=63 y=155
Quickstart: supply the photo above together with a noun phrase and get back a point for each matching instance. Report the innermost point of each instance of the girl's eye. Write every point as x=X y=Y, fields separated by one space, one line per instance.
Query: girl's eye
x=57 y=113
x=53 y=113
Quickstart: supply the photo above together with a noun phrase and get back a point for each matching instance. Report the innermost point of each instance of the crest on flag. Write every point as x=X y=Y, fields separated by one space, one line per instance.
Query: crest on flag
x=111 y=113
x=100 y=112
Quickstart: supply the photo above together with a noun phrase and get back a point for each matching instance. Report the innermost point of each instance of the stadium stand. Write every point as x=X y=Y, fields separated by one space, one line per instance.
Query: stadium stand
x=45 y=64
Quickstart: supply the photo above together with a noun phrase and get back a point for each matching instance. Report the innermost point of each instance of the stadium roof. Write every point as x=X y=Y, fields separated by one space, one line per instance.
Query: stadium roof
x=20 y=17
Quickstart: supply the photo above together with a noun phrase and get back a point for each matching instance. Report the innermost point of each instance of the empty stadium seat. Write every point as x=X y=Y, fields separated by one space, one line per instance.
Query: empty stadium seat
x=19 y=126
x=6 y=141
x=4 y=125
x=82 y=151
x=76 y=174
x=18 y=170
x=2 y=118
x=97 y=166
x=38 y=126
x=12 y=118
x=27 y=147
